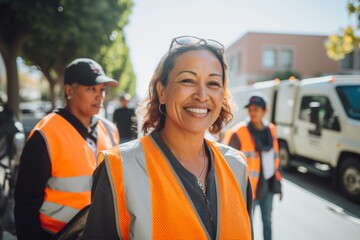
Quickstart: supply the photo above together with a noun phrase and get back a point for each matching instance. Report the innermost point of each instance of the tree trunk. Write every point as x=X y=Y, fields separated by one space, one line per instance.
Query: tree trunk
x=52 y=84
x=9 y=51
x=9 y=55
x=60 y=81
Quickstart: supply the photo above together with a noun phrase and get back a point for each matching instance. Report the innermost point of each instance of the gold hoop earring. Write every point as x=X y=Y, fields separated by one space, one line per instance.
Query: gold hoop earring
x=162 y=113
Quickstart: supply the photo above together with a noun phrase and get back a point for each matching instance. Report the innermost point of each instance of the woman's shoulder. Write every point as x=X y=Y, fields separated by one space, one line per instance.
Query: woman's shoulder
x=230 y=153
x=125 y=152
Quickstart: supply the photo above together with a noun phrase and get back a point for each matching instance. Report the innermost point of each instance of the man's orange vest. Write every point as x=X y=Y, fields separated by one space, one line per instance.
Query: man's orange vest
x=72 y=164
x=253 y=158
x=168 y=212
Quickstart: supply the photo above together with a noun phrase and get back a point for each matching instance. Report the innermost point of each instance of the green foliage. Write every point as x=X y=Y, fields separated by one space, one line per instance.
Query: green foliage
x=50 y=34
x=71 y=29
x=338 y=45
x=117 y=65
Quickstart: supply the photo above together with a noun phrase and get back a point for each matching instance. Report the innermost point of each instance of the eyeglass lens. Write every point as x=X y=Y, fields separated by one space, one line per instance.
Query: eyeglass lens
x=190 y=40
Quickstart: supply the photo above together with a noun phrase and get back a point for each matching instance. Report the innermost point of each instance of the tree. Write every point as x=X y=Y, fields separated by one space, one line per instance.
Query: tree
x=50 y=34
x=338 y=45
x=77 y=28
x=16 y=17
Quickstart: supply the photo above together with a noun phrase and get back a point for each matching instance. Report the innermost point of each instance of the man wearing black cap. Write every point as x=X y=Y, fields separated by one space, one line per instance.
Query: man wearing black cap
x=56 y=165
x=256 y=138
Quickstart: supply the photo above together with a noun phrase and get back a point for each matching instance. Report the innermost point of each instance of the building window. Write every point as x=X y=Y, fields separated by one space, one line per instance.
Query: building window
x=269 y=58
x=357 y=61
x=232 y=64
x=239 y=62
x=285 y=59
x=348 y=61
x=277 y=58
x=235 y=64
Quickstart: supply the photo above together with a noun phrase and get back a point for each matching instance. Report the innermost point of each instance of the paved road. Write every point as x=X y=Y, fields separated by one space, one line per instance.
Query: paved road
x=306 y=214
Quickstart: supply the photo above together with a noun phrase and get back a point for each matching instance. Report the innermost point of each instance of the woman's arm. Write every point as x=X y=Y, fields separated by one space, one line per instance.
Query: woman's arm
x=101 y=224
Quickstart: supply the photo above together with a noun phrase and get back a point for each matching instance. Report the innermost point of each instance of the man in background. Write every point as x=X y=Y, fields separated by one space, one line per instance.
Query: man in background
x=125 y=119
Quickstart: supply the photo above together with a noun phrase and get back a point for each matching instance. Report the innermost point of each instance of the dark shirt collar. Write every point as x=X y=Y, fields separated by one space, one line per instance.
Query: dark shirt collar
x=75 y=122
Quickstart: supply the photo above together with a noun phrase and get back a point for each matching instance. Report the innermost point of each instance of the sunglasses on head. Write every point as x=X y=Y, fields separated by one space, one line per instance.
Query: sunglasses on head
x=194 y=41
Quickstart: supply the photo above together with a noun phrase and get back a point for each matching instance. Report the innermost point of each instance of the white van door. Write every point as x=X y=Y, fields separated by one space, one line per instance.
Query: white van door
x=316 y=141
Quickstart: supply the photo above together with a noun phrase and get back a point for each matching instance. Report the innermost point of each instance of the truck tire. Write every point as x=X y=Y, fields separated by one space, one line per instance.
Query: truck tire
x=285 y=156
x=349 y=179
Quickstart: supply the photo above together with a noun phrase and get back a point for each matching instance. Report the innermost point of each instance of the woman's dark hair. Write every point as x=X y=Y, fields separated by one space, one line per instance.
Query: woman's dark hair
x=154 y=120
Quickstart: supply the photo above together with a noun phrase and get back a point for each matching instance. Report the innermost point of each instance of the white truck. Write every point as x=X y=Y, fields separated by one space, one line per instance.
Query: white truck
x=318 y=125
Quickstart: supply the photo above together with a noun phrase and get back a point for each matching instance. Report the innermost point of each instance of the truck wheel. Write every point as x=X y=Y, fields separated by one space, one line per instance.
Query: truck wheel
x=349 y=179
x=285 y=156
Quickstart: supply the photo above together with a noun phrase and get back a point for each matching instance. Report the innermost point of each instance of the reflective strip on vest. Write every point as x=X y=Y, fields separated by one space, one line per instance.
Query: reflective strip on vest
x=58 y=212
x=70 y=184
x=108 y=128
x=255 y=174
x=145 y=187
x=140 y=200
x=249 y=154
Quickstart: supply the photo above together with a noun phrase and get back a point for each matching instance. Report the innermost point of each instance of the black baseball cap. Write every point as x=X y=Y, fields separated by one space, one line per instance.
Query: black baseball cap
x=256 y=100
x=87 y=72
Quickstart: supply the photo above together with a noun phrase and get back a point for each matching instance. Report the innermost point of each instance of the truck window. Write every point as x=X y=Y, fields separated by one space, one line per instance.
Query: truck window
x=327 y=117
x=350 y=99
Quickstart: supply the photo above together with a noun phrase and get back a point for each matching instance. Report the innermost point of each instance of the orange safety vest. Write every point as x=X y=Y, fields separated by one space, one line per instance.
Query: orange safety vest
x=253 y=157
x=73 y=162
x=150 y=201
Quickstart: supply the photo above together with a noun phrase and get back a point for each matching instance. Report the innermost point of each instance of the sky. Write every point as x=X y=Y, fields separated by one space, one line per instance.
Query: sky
x=153 y=24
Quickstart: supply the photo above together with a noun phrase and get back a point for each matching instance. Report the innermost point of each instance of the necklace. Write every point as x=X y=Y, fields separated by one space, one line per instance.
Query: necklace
x=200 y=183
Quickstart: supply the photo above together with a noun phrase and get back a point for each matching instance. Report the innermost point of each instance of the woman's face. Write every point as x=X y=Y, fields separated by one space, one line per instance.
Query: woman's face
x=85 y=101
x=194 y=93
x=256 y=113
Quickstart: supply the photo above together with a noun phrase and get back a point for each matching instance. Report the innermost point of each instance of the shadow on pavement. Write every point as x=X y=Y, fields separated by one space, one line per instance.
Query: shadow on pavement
x=323 y=188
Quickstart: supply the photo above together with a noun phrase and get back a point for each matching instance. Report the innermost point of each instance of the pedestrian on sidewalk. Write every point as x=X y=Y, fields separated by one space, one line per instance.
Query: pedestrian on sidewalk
x=173 y=183
x=256 y=138
x=59 y=157
x=125 y=119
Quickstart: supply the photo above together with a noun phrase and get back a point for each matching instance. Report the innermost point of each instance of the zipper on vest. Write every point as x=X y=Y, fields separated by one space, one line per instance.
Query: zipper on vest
x=213 y=225
x=207 y=202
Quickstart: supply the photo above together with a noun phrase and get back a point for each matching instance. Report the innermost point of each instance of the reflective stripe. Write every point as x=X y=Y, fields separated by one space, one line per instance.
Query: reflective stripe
x=108 y=129
x=255 y=174
x=237 y=167
x=276 y=154
x=249 y=154
x=70 y=184
x=138 y=202
x=58 y=212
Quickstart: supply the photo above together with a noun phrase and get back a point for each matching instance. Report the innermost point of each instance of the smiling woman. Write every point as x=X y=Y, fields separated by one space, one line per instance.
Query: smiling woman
x=190 y=186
